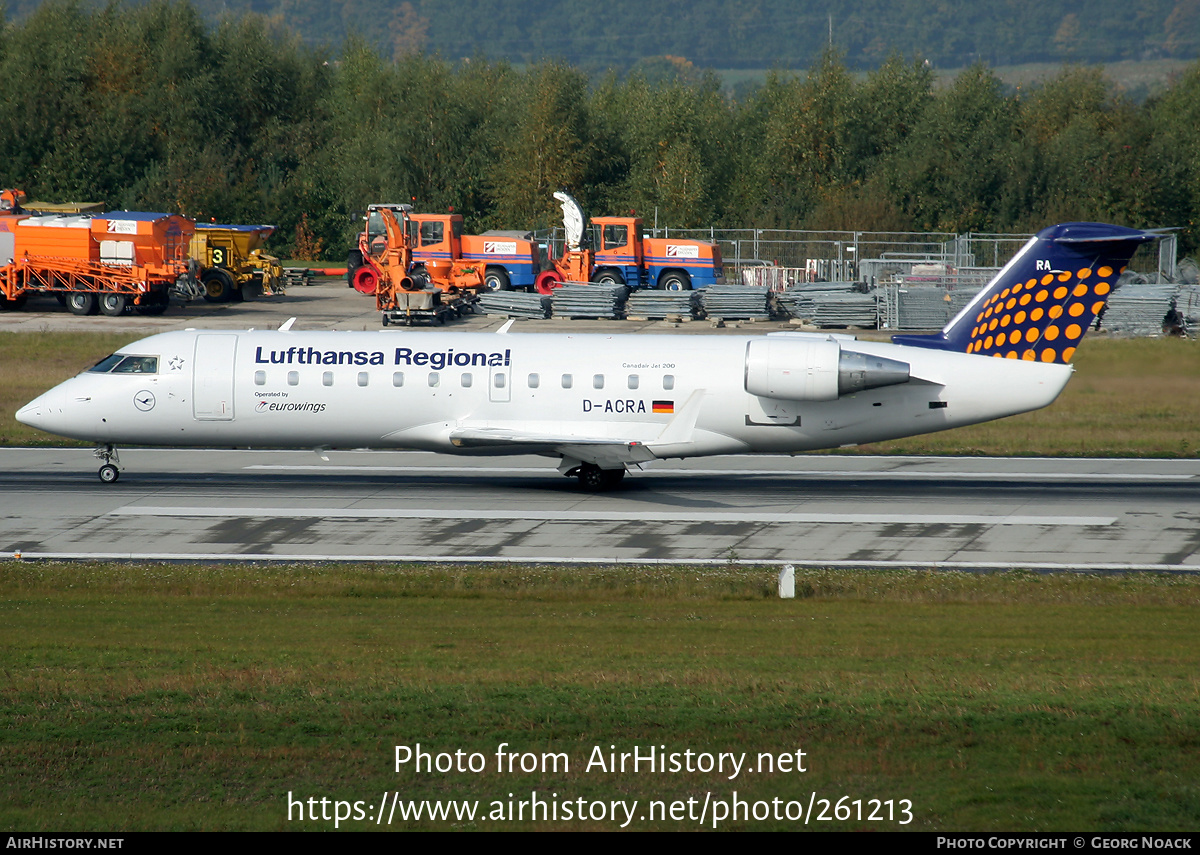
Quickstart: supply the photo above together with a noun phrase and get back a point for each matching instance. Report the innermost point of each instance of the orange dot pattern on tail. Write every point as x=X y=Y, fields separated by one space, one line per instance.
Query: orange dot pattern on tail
x=1043 y=318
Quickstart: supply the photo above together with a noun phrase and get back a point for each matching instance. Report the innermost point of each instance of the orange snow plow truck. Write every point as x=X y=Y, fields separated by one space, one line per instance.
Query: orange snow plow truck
x=110 y=263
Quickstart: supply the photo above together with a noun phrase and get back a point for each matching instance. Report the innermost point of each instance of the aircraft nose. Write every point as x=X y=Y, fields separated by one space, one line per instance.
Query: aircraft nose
x=42 y=410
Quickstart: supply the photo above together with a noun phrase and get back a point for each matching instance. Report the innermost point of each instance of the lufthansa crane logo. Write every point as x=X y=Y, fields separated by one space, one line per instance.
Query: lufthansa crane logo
x=144 y=401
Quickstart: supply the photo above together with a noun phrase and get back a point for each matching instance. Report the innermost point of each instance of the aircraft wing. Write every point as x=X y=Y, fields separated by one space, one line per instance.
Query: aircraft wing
x=606 y=452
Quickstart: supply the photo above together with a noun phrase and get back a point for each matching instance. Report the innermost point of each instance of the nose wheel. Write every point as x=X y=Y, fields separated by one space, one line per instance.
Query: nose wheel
x=109 y=472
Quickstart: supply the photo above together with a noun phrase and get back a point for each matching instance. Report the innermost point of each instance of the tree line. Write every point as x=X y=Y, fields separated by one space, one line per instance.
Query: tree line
x=719 y=34
x=147 y=107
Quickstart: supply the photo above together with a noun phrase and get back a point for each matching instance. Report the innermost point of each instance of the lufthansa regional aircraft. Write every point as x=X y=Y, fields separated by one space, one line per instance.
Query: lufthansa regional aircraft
x=602 y=404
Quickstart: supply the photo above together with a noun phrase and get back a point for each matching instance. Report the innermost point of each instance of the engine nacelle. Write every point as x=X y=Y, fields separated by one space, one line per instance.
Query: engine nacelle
x=815 y=370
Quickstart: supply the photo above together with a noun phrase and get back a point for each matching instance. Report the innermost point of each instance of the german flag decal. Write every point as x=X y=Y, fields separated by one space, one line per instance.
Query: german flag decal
x=664 y=406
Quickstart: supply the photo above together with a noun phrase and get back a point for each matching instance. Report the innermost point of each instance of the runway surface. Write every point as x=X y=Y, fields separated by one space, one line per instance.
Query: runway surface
x=865 y=511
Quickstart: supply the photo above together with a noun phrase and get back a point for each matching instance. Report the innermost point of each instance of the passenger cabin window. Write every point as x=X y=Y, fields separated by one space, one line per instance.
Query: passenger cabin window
x=615 y=236
x=467 y=379
x=120 y=363
x=327 y=378
x=534 y=380
x=434 y=379
x=566 y=381
x=293 y=378
x=668 y=381
x=498 y=380
x=633 y=381
x=398 y=379
x=260 y=378
x=597 y=381
x=363 y=378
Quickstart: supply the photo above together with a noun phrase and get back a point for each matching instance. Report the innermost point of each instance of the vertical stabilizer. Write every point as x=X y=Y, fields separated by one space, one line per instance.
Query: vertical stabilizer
x=1041 y=303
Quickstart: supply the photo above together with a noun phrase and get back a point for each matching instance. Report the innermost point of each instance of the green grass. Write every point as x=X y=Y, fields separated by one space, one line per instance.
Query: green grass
x=176 y=696
x=1129 y=398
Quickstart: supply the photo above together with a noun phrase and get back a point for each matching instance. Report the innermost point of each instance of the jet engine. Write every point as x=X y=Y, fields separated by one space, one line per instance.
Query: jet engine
x=815 y=370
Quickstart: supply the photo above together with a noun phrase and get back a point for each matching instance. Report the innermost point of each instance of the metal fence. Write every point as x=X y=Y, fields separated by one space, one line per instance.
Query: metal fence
x=917 y=280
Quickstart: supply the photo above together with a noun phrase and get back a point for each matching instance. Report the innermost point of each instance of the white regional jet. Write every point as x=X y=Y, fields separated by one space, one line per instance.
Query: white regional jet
x=602 y=403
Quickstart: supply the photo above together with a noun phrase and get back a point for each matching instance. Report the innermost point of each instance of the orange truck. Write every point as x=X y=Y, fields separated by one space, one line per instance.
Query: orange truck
x=624 y=256
x=111 y=263
x=507 y=262
x=405 y=292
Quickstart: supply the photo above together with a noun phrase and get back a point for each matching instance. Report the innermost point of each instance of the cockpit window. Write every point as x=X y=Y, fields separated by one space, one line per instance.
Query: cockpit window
x=120 y=363
x=105 y=365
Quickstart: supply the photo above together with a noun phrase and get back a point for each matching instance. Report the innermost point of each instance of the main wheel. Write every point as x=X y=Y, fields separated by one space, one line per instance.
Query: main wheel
x=218 y=286
x=81 y=303
x=113 y=305
x=594 y=479
x=109 y=473
x=496 y=279
x=609 y=277
x=675 y=281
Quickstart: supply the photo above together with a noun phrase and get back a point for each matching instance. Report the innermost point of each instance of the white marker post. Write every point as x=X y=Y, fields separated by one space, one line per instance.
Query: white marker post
x=787 y=582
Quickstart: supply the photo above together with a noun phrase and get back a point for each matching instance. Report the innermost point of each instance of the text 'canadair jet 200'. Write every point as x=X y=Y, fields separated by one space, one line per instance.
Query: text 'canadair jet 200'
x=603 y=403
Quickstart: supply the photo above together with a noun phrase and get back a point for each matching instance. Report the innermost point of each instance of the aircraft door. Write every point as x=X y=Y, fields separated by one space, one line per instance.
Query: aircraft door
x=212 y=377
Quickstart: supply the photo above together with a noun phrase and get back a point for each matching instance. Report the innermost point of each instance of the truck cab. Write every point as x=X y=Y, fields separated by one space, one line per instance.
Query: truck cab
x=508 y=262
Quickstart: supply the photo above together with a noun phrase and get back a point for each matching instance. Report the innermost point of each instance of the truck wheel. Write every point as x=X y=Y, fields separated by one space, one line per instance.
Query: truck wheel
x=218 y=286
x=15 y=303
x=81 y=303
x=675 y=281
x=154 y=303
x=354 y=260
x=496 y=279
x=609 y=277
x=113 y=305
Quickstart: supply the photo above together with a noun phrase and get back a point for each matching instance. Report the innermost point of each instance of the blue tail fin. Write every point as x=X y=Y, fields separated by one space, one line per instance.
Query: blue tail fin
x=1041 y=303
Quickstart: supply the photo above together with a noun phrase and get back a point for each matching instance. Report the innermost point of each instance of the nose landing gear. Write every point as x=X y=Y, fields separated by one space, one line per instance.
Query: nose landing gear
x=109 y=472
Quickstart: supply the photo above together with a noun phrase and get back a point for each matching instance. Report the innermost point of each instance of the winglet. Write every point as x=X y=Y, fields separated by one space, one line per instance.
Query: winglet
x=507 y=326
x=287 y=325
x=682 y=427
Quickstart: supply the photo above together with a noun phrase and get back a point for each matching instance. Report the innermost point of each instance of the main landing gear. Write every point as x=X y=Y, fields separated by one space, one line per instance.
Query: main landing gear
x=109 y=472
x=596 y=480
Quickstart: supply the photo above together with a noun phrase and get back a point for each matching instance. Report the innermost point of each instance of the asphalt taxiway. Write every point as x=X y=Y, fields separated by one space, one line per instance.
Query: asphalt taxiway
x=828 y=510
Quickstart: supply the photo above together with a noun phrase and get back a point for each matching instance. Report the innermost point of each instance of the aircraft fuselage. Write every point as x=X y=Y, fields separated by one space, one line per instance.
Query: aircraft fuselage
x=677 y=396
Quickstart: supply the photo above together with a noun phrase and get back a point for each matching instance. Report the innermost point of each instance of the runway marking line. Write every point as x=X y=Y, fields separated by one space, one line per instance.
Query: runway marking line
x=347 y=557
x=561 y=515
x=802 y=473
